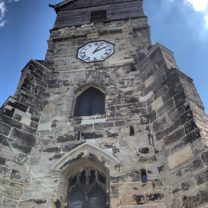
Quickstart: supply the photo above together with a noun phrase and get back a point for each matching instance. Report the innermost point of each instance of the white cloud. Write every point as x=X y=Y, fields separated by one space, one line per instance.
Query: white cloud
x=3 y=10
x=2 y=13
x=2 y=23
x=198 y=6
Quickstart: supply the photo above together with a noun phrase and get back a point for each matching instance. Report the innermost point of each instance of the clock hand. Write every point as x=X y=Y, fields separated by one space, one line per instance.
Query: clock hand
x=102 y=48
x=99 y=49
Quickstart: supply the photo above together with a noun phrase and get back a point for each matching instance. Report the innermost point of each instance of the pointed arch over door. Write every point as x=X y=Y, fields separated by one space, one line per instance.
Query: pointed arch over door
x=90 y=102
x=86 y=164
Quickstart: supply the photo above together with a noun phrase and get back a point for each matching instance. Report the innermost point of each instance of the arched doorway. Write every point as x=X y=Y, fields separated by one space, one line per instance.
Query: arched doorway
x=87 y=189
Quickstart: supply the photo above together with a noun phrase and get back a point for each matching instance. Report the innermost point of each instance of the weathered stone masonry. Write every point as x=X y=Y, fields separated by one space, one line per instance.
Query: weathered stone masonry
x=154 y=120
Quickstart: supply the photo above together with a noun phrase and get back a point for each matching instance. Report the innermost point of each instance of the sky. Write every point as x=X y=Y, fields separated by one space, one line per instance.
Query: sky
x=180 y=25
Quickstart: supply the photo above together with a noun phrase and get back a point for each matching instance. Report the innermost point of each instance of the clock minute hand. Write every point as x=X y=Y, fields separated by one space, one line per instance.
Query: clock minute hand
x=99 y=49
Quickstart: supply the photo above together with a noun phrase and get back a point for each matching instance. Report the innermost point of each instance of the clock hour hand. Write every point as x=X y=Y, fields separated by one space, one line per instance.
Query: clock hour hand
x=98 y=48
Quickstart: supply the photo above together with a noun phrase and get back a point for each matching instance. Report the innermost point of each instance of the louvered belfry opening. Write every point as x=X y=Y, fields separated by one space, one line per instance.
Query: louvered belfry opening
x=90 y=102
x=87 y=189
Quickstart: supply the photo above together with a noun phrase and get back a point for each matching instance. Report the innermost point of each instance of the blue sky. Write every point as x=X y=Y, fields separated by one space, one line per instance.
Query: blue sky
x=180 y=25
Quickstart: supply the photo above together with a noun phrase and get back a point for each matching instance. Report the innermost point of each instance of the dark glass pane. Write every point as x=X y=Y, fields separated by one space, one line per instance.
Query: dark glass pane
x=97 y=103
x=83 y=103
x=90 y=102
x=87 y=191
x=92 y=176
x=96 y=198
x=73 y=181
x=144 y=179
x=101 y=178
x=76 y=199
x=83 y=178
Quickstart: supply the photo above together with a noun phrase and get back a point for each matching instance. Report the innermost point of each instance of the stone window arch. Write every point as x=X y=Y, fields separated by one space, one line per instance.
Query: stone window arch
x=90 y=102
x=87 y=189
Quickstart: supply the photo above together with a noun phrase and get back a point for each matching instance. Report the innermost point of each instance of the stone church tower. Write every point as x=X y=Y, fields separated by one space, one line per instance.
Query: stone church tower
x=107 y=120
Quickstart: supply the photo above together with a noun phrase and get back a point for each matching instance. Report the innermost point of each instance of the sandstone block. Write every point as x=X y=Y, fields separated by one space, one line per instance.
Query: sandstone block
x=157 y=104
x=180 y=157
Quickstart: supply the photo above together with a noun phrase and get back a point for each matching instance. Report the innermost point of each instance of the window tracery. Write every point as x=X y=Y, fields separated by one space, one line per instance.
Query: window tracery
x=87 y=189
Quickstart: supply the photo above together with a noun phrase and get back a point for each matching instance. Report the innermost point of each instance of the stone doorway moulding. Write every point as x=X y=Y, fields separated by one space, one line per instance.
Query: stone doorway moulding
x=84 y=157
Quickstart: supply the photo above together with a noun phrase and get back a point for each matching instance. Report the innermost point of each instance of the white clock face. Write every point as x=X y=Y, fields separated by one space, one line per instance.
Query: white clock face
x=96 y=51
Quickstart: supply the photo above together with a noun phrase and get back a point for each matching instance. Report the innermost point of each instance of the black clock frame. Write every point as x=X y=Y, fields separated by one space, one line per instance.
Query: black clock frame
x=95 y=41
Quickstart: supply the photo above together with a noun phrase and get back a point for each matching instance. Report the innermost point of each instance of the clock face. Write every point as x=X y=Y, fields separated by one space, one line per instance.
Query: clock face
x=96 y=51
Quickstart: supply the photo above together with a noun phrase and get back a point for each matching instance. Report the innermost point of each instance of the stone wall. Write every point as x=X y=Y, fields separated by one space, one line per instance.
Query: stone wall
x=79 y=13
x=179 y=136
x=154 y=122
x=19 y=118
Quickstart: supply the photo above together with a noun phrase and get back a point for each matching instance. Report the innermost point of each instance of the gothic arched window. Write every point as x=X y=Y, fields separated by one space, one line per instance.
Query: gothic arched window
x=90 y=102
x=87 y=189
